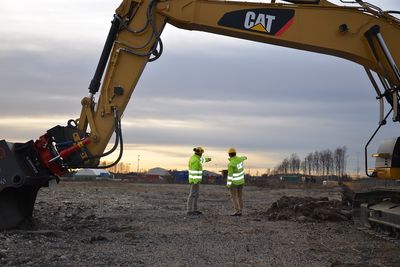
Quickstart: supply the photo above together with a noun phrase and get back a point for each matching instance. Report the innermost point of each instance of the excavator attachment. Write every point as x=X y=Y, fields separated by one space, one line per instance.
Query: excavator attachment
x=21 y=176
x=26 y=167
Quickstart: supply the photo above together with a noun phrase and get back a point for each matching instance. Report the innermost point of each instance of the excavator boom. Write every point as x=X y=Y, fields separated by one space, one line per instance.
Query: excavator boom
x=363 y=34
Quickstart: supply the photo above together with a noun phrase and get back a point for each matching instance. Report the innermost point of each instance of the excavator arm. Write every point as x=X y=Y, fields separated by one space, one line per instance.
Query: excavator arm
x=363 y=34
x=324 y=28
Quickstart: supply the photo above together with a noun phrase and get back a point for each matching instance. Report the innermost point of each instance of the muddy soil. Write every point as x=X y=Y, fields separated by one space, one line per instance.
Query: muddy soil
x=309 y=209
x=126 y=224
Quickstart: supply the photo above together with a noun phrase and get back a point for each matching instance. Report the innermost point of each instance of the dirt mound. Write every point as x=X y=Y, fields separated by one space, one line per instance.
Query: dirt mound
x=308 y=209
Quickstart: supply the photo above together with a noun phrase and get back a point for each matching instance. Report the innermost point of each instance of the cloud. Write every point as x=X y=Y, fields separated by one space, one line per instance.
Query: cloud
x=205 y=90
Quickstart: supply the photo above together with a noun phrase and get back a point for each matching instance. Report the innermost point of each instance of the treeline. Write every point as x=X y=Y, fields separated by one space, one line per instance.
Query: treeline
x=121 y=167
x=318 y=163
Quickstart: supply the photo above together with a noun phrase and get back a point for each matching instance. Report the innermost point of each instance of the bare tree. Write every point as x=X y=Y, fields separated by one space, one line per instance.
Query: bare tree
x=322 y=160
x=294 y=163
x=339 y=160
x=316 y=163
x=309 y=163
x=343 y=161
x=326 y=159
x=285 y=166
x=329 y=162
x=336 y=160
x=323 y=163
x=303 y=166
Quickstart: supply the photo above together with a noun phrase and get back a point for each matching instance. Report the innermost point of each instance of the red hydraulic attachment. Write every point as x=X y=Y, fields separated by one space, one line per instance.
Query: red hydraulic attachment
x=50 y=155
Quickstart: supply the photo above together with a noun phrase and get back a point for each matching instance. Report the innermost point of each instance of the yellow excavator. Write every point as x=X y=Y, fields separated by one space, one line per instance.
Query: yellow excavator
x=362 y=33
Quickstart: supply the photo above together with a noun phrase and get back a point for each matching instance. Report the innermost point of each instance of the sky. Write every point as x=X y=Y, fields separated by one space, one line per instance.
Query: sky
x=206 y=90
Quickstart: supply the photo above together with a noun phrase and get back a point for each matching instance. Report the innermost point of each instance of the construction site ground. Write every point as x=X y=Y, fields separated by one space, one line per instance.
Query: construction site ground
x=129 y=224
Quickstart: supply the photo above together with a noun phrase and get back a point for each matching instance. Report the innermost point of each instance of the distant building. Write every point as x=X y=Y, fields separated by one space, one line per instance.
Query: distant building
x=291 y=178
x=180 y=177
x=158 y=175
x=92 y=174
x=157 y=171
x=211 y=177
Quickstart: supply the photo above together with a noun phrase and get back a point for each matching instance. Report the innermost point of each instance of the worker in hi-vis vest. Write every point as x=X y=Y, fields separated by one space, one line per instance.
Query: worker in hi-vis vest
x=195 y=175
x=235 y=180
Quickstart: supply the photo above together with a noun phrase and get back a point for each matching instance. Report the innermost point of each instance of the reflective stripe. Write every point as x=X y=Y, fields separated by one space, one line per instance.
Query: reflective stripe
x=239 y=165
x=238 y=178
x=229 y=183
x=202 y=160
x=195 y=175
x=195 y=172
x=238 y=174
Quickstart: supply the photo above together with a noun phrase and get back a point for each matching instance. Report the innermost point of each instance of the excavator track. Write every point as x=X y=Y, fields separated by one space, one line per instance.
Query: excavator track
x=378 y=234
x=376 y=211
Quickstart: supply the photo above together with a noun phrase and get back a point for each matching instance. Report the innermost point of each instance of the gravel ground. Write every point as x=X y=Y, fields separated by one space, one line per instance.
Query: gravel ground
x=125 y=224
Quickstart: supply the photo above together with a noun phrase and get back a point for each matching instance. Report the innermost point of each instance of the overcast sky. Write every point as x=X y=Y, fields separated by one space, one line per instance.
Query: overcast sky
x=206 y=90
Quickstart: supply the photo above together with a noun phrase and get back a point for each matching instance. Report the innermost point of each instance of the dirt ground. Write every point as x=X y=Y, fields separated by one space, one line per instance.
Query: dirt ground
x=127 y=224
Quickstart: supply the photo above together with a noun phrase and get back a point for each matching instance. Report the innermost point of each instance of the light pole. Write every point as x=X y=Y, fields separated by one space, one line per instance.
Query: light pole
x=138 y=160
x=358 y=165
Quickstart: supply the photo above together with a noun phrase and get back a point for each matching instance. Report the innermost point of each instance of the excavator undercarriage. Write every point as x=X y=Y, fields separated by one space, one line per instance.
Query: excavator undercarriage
x=376 y=208
x=376 y=203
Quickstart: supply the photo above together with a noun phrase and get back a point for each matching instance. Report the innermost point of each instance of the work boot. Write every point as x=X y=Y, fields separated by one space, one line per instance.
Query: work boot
x=197 y=212
x=190 y=213
x=236 y=213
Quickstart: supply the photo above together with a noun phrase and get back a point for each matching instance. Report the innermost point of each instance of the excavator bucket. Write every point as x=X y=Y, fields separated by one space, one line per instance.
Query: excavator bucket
x=21 y=176
x=16 y=205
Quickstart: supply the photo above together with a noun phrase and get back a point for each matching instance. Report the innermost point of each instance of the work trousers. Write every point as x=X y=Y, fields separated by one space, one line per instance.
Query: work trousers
x=193 y=196
x=236 y=192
